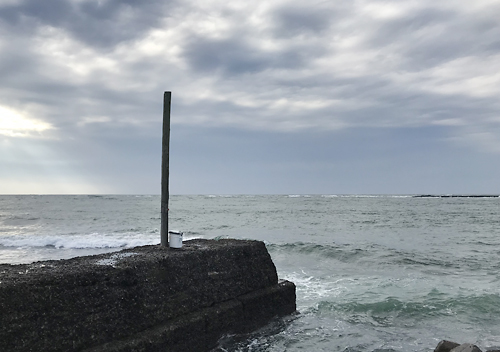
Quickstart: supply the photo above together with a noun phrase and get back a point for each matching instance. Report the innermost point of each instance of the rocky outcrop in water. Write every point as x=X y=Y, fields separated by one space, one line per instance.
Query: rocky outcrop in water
x=449 y=346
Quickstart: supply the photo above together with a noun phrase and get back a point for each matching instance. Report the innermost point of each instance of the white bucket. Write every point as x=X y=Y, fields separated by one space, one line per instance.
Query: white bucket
x=175 y=240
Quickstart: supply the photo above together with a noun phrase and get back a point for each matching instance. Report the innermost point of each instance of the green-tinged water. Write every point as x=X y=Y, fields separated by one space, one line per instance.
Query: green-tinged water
x=373 y=273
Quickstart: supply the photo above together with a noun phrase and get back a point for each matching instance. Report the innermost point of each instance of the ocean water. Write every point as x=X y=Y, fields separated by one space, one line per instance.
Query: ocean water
x=373 y=273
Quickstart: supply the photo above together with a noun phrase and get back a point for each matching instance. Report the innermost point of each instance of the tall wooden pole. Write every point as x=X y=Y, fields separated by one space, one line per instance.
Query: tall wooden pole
x=167 y=98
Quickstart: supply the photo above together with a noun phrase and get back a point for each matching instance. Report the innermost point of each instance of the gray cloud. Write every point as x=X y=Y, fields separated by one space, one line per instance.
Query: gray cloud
x=234 y=56
x=100 y=24
x=304 y=20
x=431 y=36
x=53 y=12
x=230 y=56
x=338 y=61
x=94 y=68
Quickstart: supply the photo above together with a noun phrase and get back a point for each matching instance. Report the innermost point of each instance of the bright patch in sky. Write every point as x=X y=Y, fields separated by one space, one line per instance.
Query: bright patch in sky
x=14 y=124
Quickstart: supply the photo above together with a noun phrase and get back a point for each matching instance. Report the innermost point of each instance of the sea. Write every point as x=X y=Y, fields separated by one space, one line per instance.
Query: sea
x=373 y=272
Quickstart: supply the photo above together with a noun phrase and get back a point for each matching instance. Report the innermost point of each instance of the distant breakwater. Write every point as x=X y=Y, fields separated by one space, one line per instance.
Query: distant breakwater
x=457 y=196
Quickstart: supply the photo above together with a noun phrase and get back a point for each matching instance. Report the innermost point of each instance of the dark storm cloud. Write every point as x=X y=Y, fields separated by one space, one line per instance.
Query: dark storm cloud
x=53 y=12
x=241 y=51
x=100 y=24
x=230 y=56
x=305 y=20
x=235 y=56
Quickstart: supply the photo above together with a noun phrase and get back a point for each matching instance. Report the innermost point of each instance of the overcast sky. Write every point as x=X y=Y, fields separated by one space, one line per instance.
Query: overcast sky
x=275 y=96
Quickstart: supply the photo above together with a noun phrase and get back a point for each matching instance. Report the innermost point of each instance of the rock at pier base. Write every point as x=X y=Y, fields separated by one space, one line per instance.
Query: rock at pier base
x=449 y=346
x=466 y=347
x=446 y=346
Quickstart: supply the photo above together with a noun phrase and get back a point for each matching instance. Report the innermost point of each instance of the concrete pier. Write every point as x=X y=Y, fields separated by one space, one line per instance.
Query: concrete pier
x=148 y=298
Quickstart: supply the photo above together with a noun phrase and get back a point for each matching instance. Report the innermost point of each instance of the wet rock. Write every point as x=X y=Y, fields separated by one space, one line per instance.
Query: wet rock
x=466 y=347
x=446 y=346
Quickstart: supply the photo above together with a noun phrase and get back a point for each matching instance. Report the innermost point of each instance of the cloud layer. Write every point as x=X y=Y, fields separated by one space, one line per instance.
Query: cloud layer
x=81 y=66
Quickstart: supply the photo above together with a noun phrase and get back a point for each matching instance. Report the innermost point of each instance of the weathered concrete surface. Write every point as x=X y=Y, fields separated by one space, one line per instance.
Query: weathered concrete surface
x=147 y=298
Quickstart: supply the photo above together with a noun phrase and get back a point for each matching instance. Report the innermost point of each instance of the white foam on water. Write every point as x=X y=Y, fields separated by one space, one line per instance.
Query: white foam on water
x=93 y=240
x=311 y=288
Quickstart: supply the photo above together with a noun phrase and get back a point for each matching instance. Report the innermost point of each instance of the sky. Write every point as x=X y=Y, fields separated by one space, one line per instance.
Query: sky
x=268 y=97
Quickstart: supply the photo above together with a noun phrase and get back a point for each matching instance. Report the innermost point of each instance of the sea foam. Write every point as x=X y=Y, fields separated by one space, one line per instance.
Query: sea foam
x=93 y=240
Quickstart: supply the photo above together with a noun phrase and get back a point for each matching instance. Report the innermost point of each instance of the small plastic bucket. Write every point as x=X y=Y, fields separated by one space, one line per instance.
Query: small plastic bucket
x=175 y=240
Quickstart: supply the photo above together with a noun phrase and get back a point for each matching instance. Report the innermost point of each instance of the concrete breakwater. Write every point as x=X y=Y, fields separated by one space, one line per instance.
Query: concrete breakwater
x=148 y=298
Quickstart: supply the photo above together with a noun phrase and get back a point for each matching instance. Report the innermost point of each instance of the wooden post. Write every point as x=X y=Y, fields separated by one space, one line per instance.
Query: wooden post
x=167 y=98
